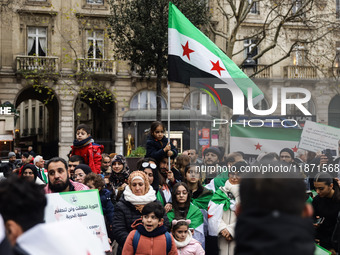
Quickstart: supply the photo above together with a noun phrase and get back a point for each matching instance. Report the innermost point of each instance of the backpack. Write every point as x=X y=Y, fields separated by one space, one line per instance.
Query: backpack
x=136 y=238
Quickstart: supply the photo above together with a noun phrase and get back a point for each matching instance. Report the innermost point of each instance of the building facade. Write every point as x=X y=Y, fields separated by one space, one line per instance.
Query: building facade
x=57 y=69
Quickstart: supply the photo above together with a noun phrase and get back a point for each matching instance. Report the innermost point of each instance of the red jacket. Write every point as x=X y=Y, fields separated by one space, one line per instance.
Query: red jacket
x=92 y=154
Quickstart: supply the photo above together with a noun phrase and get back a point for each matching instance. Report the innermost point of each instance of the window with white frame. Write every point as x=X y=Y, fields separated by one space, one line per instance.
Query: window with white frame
x=297 y=4
x=299 y=55
x=95 y=44
x=195 y=102
x=250 y=47
x=254 y=7
x=95 y=1
x=292 y=109
x=262 y=105
x=337 y=55
x=146 y=100
x=36 y=41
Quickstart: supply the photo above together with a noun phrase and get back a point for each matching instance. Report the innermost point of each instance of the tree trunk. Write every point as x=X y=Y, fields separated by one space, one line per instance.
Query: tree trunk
x=158 y=99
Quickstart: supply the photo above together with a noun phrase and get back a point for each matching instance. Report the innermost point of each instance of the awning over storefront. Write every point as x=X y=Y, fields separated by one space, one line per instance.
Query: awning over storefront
x=6 y=137
x=175 y=115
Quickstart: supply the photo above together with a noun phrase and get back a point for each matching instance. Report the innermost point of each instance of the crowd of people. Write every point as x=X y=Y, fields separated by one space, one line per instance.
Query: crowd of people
x=208 y=205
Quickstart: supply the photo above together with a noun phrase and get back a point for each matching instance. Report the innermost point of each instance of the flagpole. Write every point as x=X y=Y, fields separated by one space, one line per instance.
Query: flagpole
x=169 y=120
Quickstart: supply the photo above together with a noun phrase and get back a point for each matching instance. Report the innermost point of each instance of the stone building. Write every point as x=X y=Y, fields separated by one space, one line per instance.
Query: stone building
x=49 y=51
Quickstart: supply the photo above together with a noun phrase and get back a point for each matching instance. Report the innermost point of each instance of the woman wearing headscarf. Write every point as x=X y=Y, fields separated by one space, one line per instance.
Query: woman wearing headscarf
x=119 y=175
x=136 y=195
x=30 y=173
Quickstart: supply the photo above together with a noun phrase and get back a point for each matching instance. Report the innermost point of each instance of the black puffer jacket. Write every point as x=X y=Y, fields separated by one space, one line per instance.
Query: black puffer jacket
x=124 y=216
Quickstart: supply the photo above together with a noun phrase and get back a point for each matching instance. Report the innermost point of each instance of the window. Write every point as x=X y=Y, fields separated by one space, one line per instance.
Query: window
x=37 y=41
x=146 y=100
x=95 y=44
x=338 y=9
x=250 y=46
x=254 y=8
x=293 y=110
x=337 y=55
x=195 y=102
x=95 y=1
x=299 y=55
x=297 y=4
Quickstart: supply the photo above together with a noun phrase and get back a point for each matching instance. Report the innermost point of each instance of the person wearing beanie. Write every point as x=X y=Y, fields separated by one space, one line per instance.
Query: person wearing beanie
x=136 y=195
x=287 y=155
x=80 y=172
x=11 y=166
x=211 y=161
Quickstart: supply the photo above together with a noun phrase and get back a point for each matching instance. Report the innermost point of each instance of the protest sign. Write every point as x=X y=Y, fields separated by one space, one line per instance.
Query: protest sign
x=84 y=206
x=318 y=137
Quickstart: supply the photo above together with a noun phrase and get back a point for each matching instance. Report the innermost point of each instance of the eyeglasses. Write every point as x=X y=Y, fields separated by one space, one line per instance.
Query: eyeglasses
x=149 y=165
x=106 y=162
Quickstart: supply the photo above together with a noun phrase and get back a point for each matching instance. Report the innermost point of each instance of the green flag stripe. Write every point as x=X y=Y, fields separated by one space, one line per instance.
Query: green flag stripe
x=285 y=134
x=179 y=22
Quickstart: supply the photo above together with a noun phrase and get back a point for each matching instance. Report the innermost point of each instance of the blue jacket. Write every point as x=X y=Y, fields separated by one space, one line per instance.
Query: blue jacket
x=108 y=209
x=154 y=148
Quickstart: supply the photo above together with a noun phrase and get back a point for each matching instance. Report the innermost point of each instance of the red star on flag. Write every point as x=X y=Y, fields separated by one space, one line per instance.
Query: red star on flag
x=258 y=146
x=295 y=149
x=217 y=67
x=187 y=50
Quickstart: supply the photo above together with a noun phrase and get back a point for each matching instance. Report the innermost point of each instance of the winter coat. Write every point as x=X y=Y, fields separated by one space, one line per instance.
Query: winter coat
x=269 y=233
x=92 y=154
x=329 y=209
x=125 y=215
x=228 y=221
x=154 y=148
x=190 y=246
x=153 y=242
x=108 y=209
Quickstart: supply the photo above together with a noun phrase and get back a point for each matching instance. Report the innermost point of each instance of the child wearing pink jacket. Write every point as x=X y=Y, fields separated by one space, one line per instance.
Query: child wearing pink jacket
x=186 y=245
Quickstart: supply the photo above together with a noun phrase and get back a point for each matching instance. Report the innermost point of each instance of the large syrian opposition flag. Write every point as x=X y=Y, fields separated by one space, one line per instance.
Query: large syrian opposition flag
x=191 y=54
x=254 y=140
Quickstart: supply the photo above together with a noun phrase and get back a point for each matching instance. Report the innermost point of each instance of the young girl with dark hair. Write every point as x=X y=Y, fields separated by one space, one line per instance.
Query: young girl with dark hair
x=326 y=205
x=185 y=243
x=183 y=208
x=157 y=145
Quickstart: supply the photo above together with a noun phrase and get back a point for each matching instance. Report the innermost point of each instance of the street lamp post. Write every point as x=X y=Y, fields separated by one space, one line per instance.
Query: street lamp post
x=249 y=65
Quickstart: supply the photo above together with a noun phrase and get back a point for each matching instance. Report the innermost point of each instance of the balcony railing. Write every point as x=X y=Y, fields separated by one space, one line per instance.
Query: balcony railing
x=299 y=72
x=266 y=73
x=103 y=66
x=31 y=63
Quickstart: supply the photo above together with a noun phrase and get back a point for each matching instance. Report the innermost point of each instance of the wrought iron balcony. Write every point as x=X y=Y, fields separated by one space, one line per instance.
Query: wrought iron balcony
x=31 y=63
x=97 y=66
x=299 y=72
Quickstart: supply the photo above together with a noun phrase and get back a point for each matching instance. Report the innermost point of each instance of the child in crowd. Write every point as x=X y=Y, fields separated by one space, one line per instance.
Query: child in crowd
x=185 y=243
x=95 y=181
x=157 y=145
x=150 y=236
x=84 y=146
